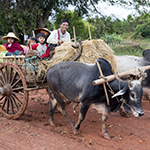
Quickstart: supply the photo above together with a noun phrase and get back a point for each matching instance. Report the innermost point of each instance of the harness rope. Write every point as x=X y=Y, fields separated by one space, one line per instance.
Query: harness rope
x=31 y=66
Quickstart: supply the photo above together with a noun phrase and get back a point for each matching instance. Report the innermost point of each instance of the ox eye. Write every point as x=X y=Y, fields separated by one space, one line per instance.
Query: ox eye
x=133 y=95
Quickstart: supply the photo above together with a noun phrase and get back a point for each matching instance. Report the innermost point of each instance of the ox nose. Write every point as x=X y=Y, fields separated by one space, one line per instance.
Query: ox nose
x=141 y=114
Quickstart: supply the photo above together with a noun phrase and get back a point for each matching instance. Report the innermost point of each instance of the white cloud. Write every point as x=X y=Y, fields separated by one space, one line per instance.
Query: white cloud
x=103 y=7
x=119 y=12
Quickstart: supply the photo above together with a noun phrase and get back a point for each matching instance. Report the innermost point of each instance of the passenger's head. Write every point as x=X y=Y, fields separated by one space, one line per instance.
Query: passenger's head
x=11 y=37
x=10 y=40
x=33 y=40
x=41 y=38
x=64 y=25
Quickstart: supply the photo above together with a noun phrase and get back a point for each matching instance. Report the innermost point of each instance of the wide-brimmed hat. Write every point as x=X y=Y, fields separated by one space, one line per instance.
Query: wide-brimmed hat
x=12 y=35
x=42 y=30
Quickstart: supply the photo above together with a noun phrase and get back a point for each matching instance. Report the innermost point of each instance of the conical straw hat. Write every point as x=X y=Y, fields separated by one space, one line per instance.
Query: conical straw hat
x=12 y=35
x=42 y=30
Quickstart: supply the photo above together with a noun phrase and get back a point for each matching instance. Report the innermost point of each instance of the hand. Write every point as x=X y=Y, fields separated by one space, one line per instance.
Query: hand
x=60 y=41
x=29 y=40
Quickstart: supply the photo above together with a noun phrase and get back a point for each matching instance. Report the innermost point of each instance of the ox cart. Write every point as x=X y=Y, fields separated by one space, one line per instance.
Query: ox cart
x=16 y=81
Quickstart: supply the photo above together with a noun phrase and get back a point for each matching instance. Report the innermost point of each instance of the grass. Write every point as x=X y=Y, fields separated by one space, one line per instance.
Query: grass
x=131 y=47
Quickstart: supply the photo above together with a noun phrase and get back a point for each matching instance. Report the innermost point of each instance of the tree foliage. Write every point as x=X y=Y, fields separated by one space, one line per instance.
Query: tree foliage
x=23 y=16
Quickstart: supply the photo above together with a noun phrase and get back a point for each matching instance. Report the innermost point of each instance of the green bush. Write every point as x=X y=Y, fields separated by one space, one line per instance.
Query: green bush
x=143 y=30
x=112 y=38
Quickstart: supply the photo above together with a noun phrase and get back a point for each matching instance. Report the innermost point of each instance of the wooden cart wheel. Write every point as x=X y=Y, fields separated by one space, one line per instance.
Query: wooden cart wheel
x=13 y=97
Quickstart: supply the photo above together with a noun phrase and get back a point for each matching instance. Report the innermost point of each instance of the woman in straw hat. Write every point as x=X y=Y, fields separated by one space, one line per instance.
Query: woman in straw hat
x=12 y=46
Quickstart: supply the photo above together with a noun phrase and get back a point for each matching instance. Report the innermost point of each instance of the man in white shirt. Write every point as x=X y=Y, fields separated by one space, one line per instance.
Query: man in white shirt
x=57 y=37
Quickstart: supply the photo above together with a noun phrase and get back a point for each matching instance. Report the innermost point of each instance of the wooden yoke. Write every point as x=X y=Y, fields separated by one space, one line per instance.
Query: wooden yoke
x=137 y=71
x=103 y=83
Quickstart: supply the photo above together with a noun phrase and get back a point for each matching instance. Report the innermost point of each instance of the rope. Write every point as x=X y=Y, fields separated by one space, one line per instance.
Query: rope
x=122 y=100
x=32 y=66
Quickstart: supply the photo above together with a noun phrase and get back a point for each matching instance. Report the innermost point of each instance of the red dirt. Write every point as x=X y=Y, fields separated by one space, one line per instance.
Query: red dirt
x=32 y=131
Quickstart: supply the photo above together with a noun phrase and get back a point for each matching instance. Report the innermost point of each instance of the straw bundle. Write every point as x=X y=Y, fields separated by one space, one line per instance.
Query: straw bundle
x=64 y=52
x=94 y=49
x=91 y=51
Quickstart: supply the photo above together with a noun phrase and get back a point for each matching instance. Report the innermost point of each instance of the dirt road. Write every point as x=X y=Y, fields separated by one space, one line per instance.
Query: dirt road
x=32 y=131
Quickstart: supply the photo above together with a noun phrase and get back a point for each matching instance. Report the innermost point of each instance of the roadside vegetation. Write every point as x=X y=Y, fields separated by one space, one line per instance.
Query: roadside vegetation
x=131 y=47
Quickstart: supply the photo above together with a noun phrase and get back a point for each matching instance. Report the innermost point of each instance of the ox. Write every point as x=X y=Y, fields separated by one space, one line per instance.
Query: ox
x=73 y=81
x=128 y=62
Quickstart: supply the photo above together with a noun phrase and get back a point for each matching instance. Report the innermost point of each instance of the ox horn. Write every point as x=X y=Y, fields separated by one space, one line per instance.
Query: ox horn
x=130 y=83
x=135 y=72
x=143 y=76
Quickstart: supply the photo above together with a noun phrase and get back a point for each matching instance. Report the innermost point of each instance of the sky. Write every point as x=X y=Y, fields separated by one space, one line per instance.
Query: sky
x=119 y=12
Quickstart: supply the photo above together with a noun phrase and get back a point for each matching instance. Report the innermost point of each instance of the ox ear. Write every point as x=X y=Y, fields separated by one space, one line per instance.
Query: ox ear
x=121 y=92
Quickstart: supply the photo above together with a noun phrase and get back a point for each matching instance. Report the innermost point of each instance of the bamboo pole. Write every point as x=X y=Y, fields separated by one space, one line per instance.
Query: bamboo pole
x=103 y=83
x=74 y=32
x=30 y=46
x=89 y=32
x=5 y=57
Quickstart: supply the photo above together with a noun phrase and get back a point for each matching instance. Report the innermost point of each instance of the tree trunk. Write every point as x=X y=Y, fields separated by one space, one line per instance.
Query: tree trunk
x=42 y=20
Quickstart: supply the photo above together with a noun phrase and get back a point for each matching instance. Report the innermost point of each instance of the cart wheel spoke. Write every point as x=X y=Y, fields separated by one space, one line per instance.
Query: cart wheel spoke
x=10 y=74
x=19 y=88
x=17 y=99
x=13 y=77
x=16 y=82
x=11 y=105
x=4 y=103
x=1 y=82
x=2 y=97
x=6 y=74
x=14 y=102
x=2 y=77
x=7 y=109
x=19 y=94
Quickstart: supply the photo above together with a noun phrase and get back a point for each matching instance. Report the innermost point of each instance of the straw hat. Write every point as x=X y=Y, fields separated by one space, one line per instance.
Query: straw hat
x=42 y=30
x=12 y=35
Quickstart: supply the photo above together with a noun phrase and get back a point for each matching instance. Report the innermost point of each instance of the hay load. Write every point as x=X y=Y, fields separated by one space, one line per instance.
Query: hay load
x=91 y=51
x=64 y=52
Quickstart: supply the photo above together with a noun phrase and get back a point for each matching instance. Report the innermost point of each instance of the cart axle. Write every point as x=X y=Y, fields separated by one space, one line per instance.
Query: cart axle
x=6 y=90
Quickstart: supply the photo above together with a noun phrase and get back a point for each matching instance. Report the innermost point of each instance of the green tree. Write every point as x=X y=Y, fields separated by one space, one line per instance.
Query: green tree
x=22 y=16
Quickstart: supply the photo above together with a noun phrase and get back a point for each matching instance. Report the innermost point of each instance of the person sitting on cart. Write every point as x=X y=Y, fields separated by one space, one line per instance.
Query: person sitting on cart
x=57 y=37
x=41 y=48
x=31 y=41
x=13 y=48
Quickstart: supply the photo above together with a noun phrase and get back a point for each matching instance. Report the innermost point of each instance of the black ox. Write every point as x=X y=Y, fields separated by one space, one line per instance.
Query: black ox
x=73 y=80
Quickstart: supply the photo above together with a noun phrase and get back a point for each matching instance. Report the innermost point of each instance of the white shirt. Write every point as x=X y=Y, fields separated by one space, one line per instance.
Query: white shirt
x=53 y=38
